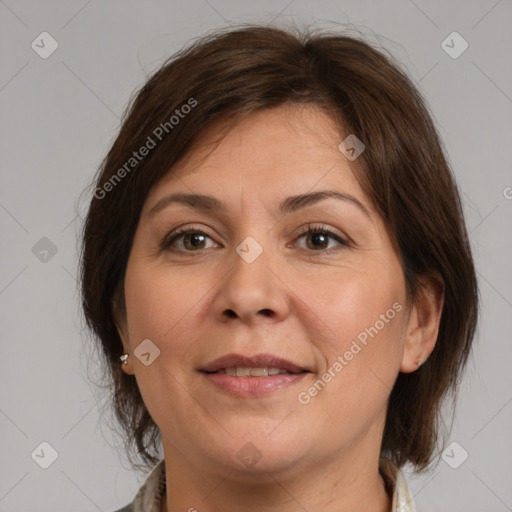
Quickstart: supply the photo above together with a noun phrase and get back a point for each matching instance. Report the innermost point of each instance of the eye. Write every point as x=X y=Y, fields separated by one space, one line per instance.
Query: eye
x=189 y=240
x=317 y=238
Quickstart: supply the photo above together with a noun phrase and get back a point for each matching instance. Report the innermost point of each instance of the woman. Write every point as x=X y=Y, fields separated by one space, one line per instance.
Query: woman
x=276 y=266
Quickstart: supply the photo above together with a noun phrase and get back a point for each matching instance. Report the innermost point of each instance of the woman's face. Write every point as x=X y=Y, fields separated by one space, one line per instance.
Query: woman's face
x=260 y=276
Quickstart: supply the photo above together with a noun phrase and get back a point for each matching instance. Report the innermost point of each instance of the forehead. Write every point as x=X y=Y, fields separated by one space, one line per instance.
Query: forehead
x=272 y=153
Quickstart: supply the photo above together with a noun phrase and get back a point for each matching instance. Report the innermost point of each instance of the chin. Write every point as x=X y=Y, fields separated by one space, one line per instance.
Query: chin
x=256 y=466
x=257 y=455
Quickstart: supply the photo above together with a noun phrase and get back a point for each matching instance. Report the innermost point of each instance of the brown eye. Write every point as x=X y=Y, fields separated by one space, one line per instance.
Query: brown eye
x=187 y=240
x=317 y=239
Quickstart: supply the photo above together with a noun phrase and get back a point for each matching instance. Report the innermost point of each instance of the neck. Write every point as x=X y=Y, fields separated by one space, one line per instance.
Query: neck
x=351 y=485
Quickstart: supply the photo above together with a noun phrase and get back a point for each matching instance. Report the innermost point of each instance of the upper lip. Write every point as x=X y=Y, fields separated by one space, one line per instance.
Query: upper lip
x=256 y=361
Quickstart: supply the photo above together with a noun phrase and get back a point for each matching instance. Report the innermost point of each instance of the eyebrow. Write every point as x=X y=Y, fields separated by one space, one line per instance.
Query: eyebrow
x=210 y=204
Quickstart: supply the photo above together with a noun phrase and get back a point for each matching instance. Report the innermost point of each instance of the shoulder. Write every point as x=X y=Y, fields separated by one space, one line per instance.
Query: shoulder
x=149 y=496
x=127 y=508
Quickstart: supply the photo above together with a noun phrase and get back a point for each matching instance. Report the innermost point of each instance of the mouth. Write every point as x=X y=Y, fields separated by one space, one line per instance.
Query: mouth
x=241 y=371
x=263 y=365
x=250 y=377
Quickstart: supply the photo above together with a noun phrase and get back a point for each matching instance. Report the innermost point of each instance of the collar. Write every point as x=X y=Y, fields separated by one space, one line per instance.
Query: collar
x=402 y=499
x=149 y=496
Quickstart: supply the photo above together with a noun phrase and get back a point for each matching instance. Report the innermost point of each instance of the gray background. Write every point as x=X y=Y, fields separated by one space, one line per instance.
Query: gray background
x=59 y=116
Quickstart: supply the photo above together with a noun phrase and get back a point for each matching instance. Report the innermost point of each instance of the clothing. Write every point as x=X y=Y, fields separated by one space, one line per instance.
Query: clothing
x=149 y=496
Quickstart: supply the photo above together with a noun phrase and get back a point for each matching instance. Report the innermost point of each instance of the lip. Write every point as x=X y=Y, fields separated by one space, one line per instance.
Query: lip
x=253 y=387
x=257 y=361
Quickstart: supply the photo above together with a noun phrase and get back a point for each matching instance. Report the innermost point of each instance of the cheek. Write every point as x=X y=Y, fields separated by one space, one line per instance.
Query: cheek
x=361 y=352
x=160 y=303
x=362 y=316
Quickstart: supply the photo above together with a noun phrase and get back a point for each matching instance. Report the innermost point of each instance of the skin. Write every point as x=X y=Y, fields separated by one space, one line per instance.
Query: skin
x=295 y=300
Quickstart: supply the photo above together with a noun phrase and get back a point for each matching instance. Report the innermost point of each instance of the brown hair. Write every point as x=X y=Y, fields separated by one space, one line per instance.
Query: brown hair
x=232 y=73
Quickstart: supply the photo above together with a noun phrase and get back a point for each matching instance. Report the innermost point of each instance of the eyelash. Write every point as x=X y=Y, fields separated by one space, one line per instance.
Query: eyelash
x=309 y=229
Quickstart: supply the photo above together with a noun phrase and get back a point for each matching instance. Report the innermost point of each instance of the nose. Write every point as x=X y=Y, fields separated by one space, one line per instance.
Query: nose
x=252 y=291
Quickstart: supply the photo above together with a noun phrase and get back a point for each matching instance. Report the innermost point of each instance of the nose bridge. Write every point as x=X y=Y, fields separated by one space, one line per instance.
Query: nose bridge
x=251 y=288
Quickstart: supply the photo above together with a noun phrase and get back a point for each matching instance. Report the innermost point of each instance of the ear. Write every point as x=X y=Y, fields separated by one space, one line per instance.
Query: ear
x=423 y=324
x=119 y=315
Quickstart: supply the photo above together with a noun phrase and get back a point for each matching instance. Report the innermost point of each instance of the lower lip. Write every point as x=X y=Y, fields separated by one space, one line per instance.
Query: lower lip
x=251 y=387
